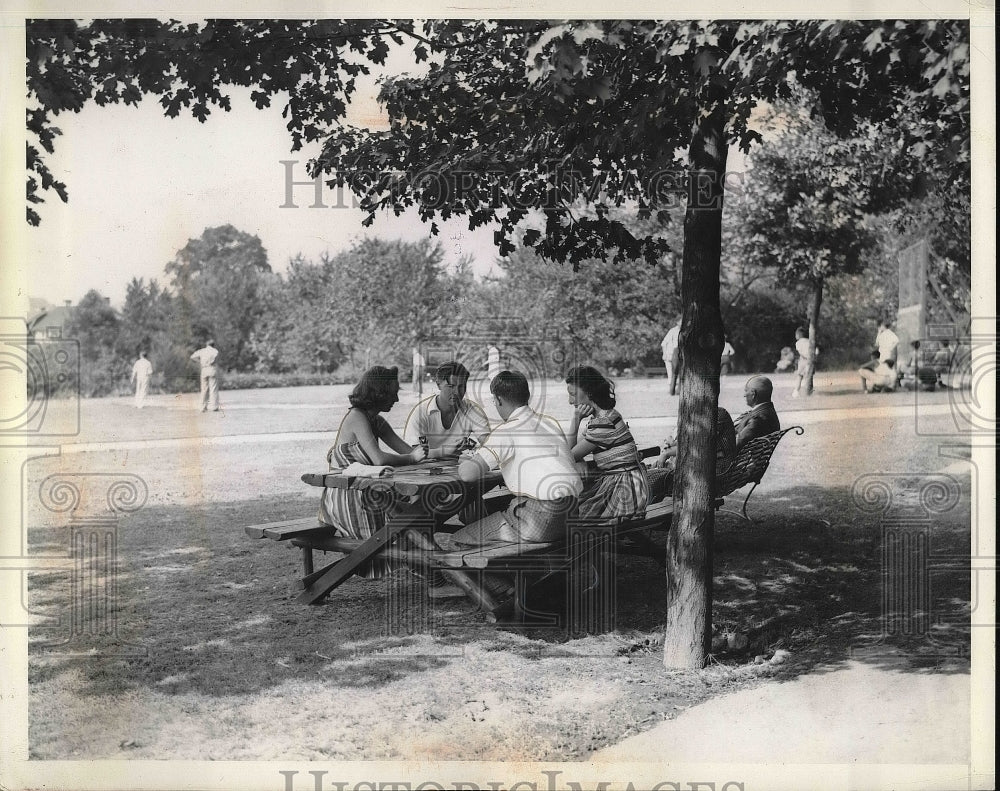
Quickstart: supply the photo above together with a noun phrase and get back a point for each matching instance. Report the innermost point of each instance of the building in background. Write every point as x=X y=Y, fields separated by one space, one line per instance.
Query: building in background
x=46 y=321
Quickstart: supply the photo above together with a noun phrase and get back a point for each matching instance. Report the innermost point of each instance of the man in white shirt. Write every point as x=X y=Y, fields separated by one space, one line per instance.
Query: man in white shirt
x=205 y=357
x=537 y=466
x=886 y=341
x=726 y=363
x=671 y=355
x=448 y=419
x=142 y=372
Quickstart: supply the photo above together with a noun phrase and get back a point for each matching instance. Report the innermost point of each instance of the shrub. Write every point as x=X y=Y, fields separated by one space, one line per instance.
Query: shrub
x=252 y=380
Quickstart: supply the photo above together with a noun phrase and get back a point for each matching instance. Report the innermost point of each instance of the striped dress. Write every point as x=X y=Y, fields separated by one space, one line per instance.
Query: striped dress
x=619 y=486
x=345 y=509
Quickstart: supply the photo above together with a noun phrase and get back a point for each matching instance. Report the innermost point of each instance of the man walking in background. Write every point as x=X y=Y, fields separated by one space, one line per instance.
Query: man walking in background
x=206 y=357
x=142 y=372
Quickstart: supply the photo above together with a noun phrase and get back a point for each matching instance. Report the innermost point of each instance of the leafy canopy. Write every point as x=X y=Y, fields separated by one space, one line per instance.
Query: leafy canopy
x=513 y=120
x=529 y=123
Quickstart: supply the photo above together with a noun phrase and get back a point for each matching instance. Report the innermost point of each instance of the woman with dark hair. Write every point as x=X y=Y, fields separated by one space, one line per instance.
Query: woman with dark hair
x=361 y=431
x=618 y=486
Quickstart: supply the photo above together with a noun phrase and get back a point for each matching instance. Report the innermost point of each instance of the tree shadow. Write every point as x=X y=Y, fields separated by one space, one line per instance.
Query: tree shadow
x=200 y=607
x=818 y=577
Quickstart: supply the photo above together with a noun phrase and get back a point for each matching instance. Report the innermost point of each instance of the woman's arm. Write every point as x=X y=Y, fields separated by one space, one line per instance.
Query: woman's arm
x=362 y=431
x=582 y=449
x=392 y=439
x=580 y=411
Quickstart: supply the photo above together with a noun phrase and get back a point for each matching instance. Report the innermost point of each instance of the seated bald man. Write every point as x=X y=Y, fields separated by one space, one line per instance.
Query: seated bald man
x=761 y=418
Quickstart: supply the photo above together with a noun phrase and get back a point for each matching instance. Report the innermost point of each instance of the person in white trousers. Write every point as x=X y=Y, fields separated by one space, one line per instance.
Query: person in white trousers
x=142 y=372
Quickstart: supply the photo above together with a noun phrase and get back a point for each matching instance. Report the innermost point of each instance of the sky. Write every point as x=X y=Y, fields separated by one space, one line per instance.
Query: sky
x=141 y=185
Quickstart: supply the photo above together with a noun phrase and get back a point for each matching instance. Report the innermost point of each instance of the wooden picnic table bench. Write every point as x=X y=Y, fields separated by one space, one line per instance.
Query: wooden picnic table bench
x=418 y=491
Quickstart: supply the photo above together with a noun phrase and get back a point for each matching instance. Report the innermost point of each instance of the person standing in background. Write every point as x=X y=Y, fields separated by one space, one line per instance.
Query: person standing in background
x=418 y=370
x=805 y=360
x=886 y=341
x=206 y=357
x=142 y=372
x=492 y=361
x=671 y=355
x=726 y=364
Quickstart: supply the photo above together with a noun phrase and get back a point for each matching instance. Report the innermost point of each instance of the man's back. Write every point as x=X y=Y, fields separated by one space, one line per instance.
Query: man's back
x=206 y=356
x=533 y=456
x=757 y=422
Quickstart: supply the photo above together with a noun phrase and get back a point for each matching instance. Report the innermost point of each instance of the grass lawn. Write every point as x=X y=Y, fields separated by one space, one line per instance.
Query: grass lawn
x=213 y=658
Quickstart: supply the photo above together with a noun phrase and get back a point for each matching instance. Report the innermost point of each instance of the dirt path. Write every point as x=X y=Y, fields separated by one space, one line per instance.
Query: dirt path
x=856 y=714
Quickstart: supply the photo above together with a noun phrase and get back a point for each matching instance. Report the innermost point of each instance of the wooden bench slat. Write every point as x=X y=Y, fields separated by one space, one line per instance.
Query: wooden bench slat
x=281 y=530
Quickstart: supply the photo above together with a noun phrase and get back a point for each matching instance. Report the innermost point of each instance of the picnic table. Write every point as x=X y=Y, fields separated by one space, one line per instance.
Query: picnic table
x=419 y=498
x=423 y=499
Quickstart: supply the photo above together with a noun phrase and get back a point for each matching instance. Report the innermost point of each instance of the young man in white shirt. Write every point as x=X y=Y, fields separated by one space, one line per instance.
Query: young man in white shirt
x=447 y=419
x=537 y=466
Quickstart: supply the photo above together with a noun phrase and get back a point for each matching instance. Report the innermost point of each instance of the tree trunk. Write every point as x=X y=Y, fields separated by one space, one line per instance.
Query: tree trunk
x=689 y=546
x=815 y=302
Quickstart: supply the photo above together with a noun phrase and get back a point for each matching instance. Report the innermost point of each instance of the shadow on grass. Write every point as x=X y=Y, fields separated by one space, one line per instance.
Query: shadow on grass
x=810 y=576
x=203 y=608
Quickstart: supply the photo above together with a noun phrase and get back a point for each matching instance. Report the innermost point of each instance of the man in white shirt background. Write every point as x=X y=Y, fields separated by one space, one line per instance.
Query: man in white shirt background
x=726 y=363
x=886 y=341
x=206 y=357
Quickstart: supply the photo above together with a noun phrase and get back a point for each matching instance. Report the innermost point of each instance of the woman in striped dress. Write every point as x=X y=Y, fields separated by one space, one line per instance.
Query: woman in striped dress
x=618 y=486
x=354 y=513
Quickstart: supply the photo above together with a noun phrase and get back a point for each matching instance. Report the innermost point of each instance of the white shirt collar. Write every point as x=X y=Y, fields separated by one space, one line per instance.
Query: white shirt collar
x=520 y=412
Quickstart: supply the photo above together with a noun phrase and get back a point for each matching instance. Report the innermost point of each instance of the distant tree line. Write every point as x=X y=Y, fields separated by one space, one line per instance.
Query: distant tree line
x=322 y=321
